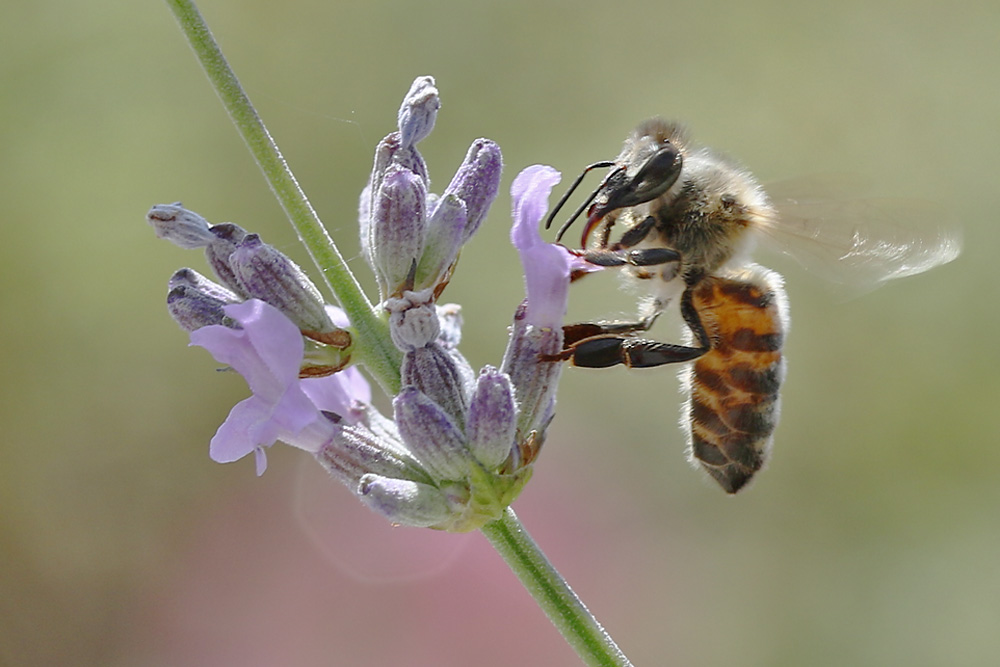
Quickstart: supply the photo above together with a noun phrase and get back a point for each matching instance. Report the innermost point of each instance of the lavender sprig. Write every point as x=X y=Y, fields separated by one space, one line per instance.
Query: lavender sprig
x=329 y=414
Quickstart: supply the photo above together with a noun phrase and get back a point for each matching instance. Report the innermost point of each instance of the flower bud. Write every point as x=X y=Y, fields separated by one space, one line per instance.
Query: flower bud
x=450 y=322
x=193 y=279
x=387 y=153
x=193 y=310
x=492 y=421
x=535 y=381
x=477 y=182
x=356 y=451
x=398 y=221
x=418 y=112
x=435 y=372
x=180 y=226
x=432 y=436
x=413 y=319
x=194 y=301
x=267 y=274
x=445 y=235
x=404 y=502
x=391 y=151
x=226 y=238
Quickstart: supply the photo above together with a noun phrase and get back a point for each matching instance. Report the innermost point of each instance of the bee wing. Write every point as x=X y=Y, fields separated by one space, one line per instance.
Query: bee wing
x=860 y=243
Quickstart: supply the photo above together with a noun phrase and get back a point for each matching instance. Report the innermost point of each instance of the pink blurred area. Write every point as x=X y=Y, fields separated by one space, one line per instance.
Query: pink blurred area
x=291 y=570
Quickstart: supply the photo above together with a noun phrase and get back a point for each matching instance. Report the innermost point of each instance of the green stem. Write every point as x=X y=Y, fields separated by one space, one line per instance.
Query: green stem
x=577 y=625
x=372 y=344
x=374 y=347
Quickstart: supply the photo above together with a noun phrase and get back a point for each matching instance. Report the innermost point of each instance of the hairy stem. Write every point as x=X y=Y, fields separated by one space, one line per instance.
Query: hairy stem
x=577 y=625
x=374 y=347
x=372 y=344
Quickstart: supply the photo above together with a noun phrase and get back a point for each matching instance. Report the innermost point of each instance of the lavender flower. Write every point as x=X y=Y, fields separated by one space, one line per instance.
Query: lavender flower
x=537 y=327
x=459 y=446
x=267 y=351
x=410 y=237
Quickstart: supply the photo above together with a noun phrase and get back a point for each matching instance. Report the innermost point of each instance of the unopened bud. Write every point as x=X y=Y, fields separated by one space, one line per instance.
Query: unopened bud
x=398 y=221
x=226 y=238
x=413 y=319
x=191 y=278
x=418 y=112
x=432 y=436
x=180 y=226
x=492 y=422
x=267 y=274
x=445 y=235
x=388 y=152
x=477 y=182
x=193 y=310
x=403 y=501
x=437 y=373
x=194 y=301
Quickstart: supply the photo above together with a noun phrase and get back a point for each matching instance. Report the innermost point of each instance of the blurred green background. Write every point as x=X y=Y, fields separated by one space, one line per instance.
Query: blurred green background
x=872 y=539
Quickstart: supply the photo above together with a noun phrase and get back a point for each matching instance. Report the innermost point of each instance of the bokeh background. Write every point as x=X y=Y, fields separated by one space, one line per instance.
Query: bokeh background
x=872 y=539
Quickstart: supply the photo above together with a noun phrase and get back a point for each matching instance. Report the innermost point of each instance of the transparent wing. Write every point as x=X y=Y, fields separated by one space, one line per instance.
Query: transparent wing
x=858 y=243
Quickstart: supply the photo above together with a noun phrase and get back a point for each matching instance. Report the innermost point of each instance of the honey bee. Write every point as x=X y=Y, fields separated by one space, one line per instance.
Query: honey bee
x=691 y=218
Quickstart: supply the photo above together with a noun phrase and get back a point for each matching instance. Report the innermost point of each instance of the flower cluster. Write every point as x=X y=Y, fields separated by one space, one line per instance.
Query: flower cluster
x=459 y=445
x=267 y=321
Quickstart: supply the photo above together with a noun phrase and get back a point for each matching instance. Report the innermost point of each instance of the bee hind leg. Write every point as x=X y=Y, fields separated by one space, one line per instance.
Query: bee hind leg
x=601 y=345
x=610 y=350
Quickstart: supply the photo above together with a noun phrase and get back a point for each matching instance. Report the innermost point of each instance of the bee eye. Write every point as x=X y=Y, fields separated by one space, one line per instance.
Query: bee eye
x=654 y=177
x=728 y=201
x=662 y=167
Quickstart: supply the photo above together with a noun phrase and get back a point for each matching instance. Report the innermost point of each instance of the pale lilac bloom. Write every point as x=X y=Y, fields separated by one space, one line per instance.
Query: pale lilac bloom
x=267 y=352
x=458 y=448
x=546 y=266
x=537 y=331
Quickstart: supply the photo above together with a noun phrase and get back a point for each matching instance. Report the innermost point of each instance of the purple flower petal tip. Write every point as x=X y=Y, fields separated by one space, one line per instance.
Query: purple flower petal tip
x=267 y=352
x=529 y=195
x=546 y=265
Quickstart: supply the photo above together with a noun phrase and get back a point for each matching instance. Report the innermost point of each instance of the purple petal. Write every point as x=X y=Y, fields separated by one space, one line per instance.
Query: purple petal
x=260 y=460
x=267 y=352
x=340 y=393
x=546 y=265
x=245 y=429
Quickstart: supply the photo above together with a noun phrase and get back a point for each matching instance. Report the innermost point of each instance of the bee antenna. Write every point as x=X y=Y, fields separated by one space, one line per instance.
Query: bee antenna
x=569 y=192
x=576 y=213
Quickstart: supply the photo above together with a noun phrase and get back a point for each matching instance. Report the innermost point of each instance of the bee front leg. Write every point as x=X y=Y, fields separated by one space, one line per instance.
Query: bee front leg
x=624 y=256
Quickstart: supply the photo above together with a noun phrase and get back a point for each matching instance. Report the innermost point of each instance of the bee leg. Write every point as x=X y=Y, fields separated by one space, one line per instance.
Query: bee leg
x=637 y=234
x=619 y=254
x=606 y=351
x=623 y=256
x=575 y=333
x=597 y=345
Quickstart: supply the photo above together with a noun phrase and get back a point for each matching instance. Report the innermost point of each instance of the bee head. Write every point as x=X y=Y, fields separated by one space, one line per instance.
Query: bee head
x=658 y=169
x=649 y=164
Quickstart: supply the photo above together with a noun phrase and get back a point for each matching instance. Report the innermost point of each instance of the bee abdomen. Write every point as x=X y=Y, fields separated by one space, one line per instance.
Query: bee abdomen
x=733 y=389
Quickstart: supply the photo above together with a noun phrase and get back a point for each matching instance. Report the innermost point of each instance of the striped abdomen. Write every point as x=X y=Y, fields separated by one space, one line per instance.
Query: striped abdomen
x=733 y=389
